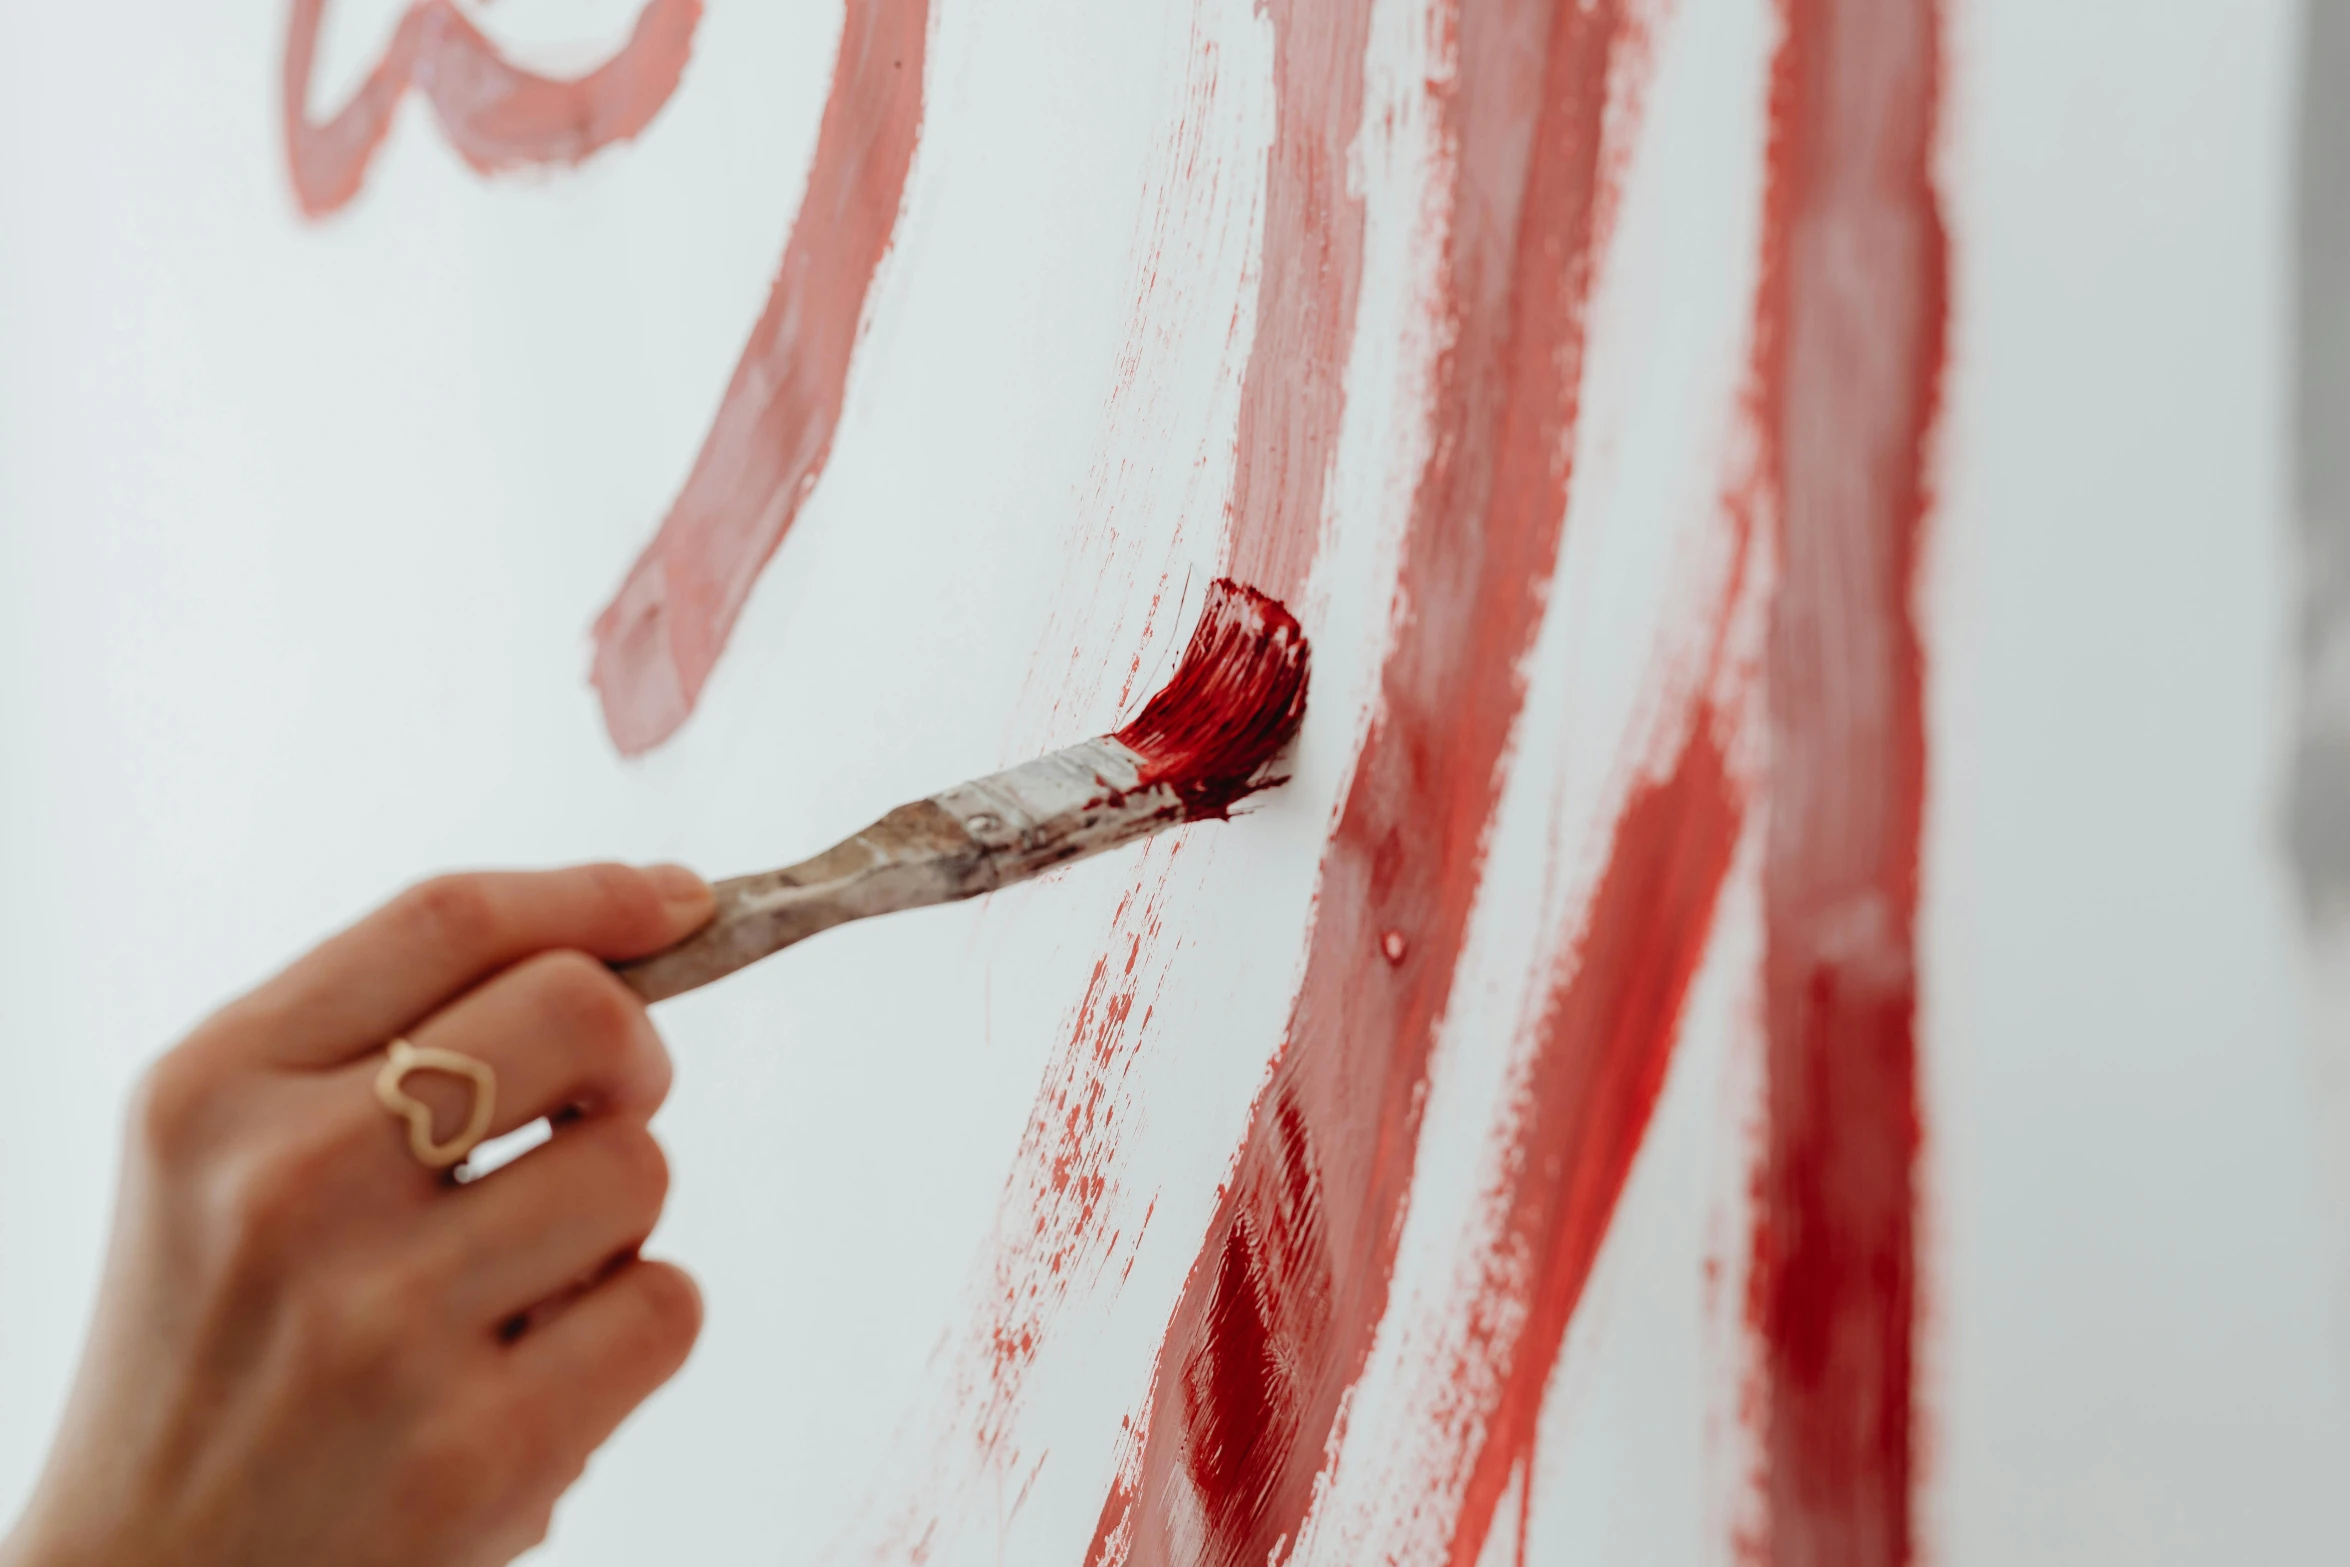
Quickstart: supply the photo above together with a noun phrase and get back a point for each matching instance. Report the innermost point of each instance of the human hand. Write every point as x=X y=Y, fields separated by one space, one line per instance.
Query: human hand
x=308 y=1347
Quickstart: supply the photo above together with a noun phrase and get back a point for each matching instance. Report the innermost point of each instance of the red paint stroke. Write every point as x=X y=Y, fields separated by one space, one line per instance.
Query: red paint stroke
x=1596 y=1062
x=1051 y=1224
x=1602 y=1045
x=495 y=114
x=1855 y=268
x=1277 y=1315
x=1235 y=699
x=658 y=640
x=1293 y=393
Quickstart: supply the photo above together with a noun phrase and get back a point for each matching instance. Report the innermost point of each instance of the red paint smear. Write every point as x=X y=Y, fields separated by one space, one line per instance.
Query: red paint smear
x=1235 y=699
x=1293 y=396
x=1278 y=1313
x=1292 y=403
x=495 y=114
x=658 y=640
x=1601 y=1049
x=1855 y=277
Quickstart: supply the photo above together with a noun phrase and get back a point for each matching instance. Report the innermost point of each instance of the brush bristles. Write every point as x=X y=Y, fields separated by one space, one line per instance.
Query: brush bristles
x=1237 y=697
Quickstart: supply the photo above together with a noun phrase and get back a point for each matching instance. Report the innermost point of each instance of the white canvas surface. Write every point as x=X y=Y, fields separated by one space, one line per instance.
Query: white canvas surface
x=302 y=526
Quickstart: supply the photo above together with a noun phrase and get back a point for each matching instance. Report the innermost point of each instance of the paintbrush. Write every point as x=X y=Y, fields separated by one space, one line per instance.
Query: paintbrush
x=1208 y=739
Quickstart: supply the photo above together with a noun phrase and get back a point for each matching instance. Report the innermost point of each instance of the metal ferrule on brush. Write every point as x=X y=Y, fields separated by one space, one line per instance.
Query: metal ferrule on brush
x=964 y=841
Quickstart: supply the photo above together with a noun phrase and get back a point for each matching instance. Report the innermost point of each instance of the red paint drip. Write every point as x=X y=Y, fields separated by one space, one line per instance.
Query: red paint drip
x=495 y=114
x=1277 y=1315
x=1236 y=698
x=658 y=640
x=1855 y=272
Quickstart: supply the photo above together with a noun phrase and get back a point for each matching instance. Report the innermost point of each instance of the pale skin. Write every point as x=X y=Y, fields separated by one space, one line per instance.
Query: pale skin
x=308 y=1347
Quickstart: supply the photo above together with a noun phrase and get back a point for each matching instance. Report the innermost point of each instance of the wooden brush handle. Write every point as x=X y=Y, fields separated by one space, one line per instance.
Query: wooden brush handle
x=970 y=839
x=915 y=856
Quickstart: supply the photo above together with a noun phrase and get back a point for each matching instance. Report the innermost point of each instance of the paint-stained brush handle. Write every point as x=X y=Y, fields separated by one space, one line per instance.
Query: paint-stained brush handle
x=1203 y=742
x=972 y=839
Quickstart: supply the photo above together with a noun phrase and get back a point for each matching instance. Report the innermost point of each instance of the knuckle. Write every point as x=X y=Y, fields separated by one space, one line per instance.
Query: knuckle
x=669 y=1311
x=170 y=1107
x=454 y=913
x=582 y=997
x=626 y=894
x=270 y=1200
x=642 y=1174
x=361 y=1337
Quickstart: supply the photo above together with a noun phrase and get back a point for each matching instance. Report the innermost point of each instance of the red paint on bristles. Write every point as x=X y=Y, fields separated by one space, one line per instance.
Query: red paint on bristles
x=1234 y=701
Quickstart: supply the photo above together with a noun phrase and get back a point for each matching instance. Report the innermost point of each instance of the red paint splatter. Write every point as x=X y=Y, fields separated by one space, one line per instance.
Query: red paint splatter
x=1278 y=1312
x=658 y=640
x=1855 y=265
x=495 y=114
x=1235 y=699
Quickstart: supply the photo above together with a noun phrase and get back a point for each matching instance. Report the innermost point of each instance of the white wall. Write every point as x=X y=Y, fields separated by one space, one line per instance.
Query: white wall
x=301 y=529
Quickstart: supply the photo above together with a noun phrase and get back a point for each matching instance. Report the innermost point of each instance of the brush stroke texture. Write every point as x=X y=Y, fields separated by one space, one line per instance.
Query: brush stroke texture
x=495 y=114
x=1052 y=1226
x=1277 y=1315
x=658 y=640
x=1293 y=399
x=1855 y=278
x=1595 y=1060
x=1602 y=1046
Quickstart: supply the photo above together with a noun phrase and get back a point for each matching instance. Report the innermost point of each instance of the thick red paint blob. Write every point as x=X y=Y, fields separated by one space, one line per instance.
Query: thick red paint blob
x=658 y=640
x=495 y=114
x=1277 y=1315
x=1234 y=701
x=1855 y=268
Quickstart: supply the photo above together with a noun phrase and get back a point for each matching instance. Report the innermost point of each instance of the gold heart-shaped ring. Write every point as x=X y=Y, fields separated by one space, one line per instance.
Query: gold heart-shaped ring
x=405 y=1058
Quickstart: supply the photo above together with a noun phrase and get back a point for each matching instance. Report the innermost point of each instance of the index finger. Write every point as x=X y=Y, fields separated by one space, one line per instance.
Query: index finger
x=440 y=938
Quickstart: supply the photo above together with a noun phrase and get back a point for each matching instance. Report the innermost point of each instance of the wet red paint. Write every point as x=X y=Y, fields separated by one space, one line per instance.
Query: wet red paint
x=1602 y=1045
x=1856 y=260
x=1235 y=699
x=1278 y=1313
x=662 y=634
x=1051 y=1223
x=1293 y=393
x=495 y=114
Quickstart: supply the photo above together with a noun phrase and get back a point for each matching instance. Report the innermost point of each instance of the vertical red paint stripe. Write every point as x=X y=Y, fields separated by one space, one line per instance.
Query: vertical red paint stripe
x=1293 y=402
x=1293 y=397
x=658 y=640
x=1052 y=1225
x=1855 y=266
x=1278 y=1313
x=496 y=115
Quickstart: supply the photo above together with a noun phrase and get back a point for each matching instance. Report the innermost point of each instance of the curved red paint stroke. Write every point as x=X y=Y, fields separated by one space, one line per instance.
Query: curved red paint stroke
x=658 y=640
x=1278 y=1313
x=495 y=114
x=1859 y=257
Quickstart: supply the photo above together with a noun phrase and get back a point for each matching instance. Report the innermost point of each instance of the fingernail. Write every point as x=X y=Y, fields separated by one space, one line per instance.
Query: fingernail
x=681 y=889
